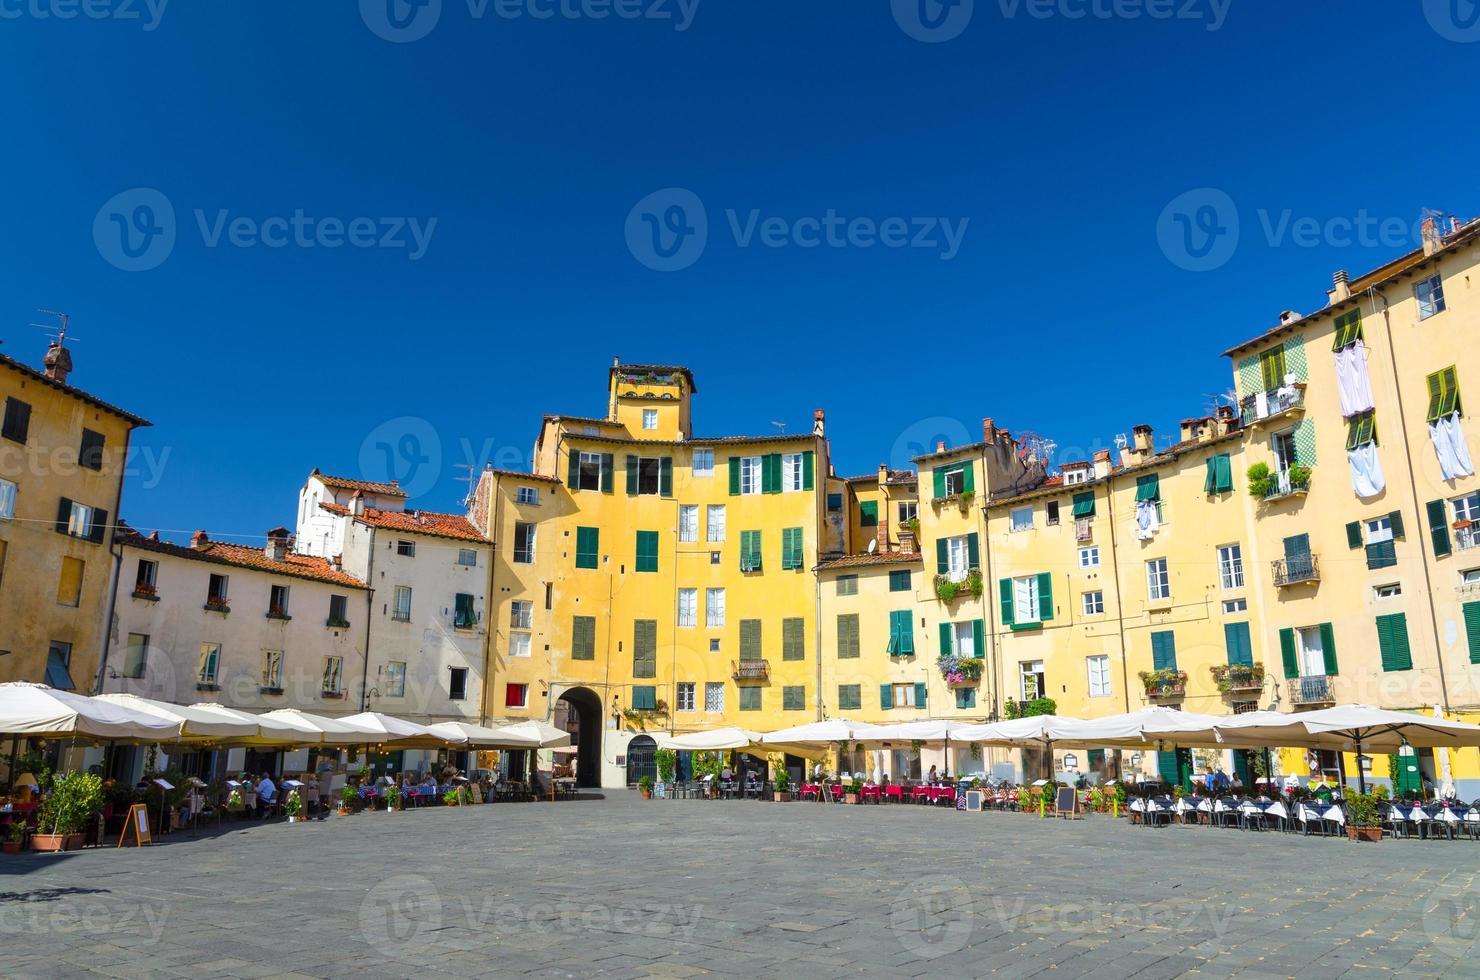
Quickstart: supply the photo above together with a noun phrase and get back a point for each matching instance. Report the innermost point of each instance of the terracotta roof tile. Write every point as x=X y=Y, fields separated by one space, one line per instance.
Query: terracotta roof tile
x=415 y=522
x=516 y=475
x=391 y=489
x=245 y=556
x=879 y=558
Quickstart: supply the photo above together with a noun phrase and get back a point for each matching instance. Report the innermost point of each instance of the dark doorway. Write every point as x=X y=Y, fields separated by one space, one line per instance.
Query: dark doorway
x=640 y=761
x=583 y=721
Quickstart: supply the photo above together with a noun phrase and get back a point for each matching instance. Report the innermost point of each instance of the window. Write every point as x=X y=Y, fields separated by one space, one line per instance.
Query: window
x=515 y=695
x=649 y=418
x=1163 y=650
x=714 y=696
x=583 y=638
x=909 y=510
x=901 y=634
x=750 y=698
x=524 y=543
x=1099 y=676
x=750 y=551
x=592 y=471
x=714 y=558
x=847 y=636
x=588 y=545
x=79 y=518
x=647 y=551
x=1051 y=513
x=793 y=698
x=69 y=585
x=17 y=423
x=1022 y=519
x=714 y=523
x=688 y=523
x=750 y=639
x=395 y=679
x=338 y=610
x=467 y=557
x=1392 y=641
x=1361 y=429
x=1089 y=557
x=1430 y=296
x=645 y=648
x=847 y=585
x=1158 y=582
x=793 y=638
x=791 y=472
x=401 y=610
x=850 y=697
x=868 y=513
x=7 y=500
x=1219 y=478
x=277 y=602
x=457 y=683
x=1348 y=329
x=272 y=671
x=1231 y=566
x=1467 y=508
x=1443 y=394
x=959 y=554
x=1381 y=551
x=1235 y=605
x=791 y=547
x=714 y=607
x=834 y=503
x=1030 y=673
x=1272 y=367
x=1391 y=591
x=688 y=607
x=519 y=644
x=333 y=674
x=649 y=476
x=703 y=464
x=464 y=616
x=1077 y=475
x=1094 y=603
x=904 y=695
x=216 y=590
x=528 y=495
x=1027 y=605
x=644 y=697
x=406 y=549
x=750 y=474
x=90 y=452
x=965 y=697
x=133 y=655
x=684 y=696
x=964 y=638
x=59 y=665
x=899 y=581
x=1238 y=644
x=210 y=662
x=952 y=480
x=714 y=644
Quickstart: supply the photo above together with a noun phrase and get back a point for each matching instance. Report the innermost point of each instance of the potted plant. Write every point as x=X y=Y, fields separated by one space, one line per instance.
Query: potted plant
x=235 y=803
x=347 y=799
x=13 y=837
x=452 y=797
x=854 y=789
x=392 y=798
x=1363 y=822
x=781 y=785
x=1261 y=482
x=293 y=807
x=645 y=787
x=73 y=803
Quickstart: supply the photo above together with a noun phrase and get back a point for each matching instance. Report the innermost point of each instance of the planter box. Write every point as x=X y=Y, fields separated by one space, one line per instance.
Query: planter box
x=47 y=843
x=1373 y=834
x=10 y=847
x=850 y=797
x=782 y=797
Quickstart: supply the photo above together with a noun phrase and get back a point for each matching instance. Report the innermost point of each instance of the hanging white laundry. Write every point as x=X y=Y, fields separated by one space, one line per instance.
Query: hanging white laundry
x=1367 y=478
x=1352 y=384
x=1146 y=522
x=1450 y=447
x=1261 y=404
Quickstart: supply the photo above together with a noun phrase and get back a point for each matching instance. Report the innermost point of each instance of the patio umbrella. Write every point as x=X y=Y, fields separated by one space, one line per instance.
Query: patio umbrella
x=193 y=724
x=479 y=737
x=40 y=711
x=1152 y=726
x=546 y=736
x=716 y=740
x=318 y=730
x=265 y=731
x=822 y=733
x=396 y=733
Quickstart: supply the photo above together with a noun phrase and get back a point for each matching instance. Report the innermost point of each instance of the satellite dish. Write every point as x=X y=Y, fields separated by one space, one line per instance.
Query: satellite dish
x=873 y=545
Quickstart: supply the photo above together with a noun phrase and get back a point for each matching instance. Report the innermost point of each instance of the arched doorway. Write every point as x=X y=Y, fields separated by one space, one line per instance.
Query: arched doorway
x=582 y=710
x=640 y=759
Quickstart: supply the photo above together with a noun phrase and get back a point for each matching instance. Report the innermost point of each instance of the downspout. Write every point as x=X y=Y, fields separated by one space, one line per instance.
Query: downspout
x=1125 y=676
x=819 y=503
x=117 y=570
x=995 y=688
x=369 y=613
x=490 y=603
x=1428 y=583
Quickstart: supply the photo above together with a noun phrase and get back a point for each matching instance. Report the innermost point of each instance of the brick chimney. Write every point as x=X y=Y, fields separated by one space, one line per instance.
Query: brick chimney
x=1141 y=435
x=1432 y=240
x=989 y=432
x=1225 y=419
x=277 y=544
x=58 y=362
x=199 y=541
x=882 y=532
x=1102 y=464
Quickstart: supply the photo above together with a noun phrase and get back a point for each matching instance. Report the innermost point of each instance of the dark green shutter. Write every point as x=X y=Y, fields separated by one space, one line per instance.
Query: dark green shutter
x=942 y=556
x=945 y=639
x=920 y=694
x=939 y=476
x=647 y=551
x=978 y=638
x=1166 y=767
x=583 y=638
x=1084 y=504
x=973 y=554
x=1438 y=527
x=771 y=473
x=1472 y=629
x=1354 y=534
x=1287 y=653
x=808 y=464
x=64 y=514
x=793 y=644
x=868 y=513
x=573 y=475
x=1045 y=596
x=588 y=547
x=886 y=696
x=631 y=476
x=1225 y=473
x=1148 y=487
x=1210 y=480
x=1164 y=650
x=645 y=648
x=665 y=476
x=1392 y=640
x=1004 y=591
x=1237 y=644
x=99 y=525
x=968 y=478
x=1396 y=517
x=750 y=639
x=608 y=466
x=1328 y=648
x=734 y=475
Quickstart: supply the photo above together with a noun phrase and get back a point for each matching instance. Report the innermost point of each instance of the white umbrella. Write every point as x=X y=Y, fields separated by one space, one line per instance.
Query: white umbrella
x=716 y=740
x=822 y=733
x=400 y=734
x=545 y=736
x=916 y=731
x=318 y=730
x=1150 y=726
x=478 y=737
x=194 y=724
x=265 y=731
x=41 y=711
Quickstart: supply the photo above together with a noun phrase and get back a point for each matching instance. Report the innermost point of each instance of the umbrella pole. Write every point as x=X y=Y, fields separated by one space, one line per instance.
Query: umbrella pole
x=1361 y=777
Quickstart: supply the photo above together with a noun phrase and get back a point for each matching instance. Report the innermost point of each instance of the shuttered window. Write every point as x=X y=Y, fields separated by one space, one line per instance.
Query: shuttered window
x=647 y=551
x=847 y=636
x=1392 y=641
x=644 y=697
x=588 y=544
x=949 y=481
x=645 y=648
x=850 y=697
x=1348 y=329
x=1361 y=429
x=1084 y=504
x=750 y=551
x=899 y=581
x=793 y=698
x=793 y=644
x=750 y=698
x=1288 y=658
x=847 y=585
x=901 y=634
x=1272 y=367
x=750 y=639
x=1443 y=394
x=1472 y=630
x=1148 y=487
x=17 y=424
x=583 y=638
x=1163 y=650
x=1239 y=646
x=868 y=513
x=791 y=547
x=1219 y=478
x=1438 y=527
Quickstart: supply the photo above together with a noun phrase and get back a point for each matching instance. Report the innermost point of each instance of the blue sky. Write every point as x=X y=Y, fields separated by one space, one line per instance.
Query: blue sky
x=1071 y=303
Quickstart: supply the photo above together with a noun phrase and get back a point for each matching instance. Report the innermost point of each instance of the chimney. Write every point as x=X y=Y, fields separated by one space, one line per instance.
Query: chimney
x=199 y=541
x=819 y=423
x=1102 y=464
x=1142 y=436
x=1225 y=420
x=1453 y=224
x=940 y=446
x=1341 y=286
x=277 y=544
x=1288 y=316
x=356 y=503
x=1429 y=231
x=989 y=432
x=58 y=362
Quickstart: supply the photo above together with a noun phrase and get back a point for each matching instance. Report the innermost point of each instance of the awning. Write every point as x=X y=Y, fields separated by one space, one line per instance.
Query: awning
x=194 y=723
x=400 y=734
x=318 y=730
x=40 y=711
x=266 y=731
x=479 y=737
x=1344 y=727
x=716 y=740
x=1084 y=504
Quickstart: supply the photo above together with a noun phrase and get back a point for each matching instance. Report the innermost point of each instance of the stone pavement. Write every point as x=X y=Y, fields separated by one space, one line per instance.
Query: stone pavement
x=679 y=888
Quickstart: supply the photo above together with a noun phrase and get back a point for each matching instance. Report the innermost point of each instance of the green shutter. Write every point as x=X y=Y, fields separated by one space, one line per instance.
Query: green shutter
x=1392 y=640
x=1287 y=653
x=1084 y=504
x=1472 y=629
x=1166 y=767
x=942 y=556
x=1148 y=487
x=750 y=551
x=750 y=639
x=583 y=638
x=1328 y=648
x=573 y=475
x=647 y=551
x=920 y=694
x=968 y=478
x=1354 y=534
x=750 y=699
x=1435 y=384
x=793 y=698
x=1004 y=591
x=793 y=644
x=631 y=476
x=644 y=697
x=1163 y=650
x=1210 y=480
x=1236 y=642
x=1396 y=519
x=1225 y=473
x=608 y=468
x=588 y=547
x=847 y=636
x=1348 y=329
x=886 y=696
x=901 y=634
x=1443 y=394
x=850 y=697
x=808 y=464
x=973 y=552
x=771 y=473
x=1272 y=367
x=645 y=648
x=1438 y=527
x=734 y=475
x=868 y=513
x=1361 y=429
x=1045 y=596
x=945 y=639
x=939 y=476
x=1382 y=554
x=978 y=638
x=665 y=476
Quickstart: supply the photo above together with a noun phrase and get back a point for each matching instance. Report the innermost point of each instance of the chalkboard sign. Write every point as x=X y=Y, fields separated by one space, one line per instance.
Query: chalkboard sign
x=1067 y=802
x=138 y=822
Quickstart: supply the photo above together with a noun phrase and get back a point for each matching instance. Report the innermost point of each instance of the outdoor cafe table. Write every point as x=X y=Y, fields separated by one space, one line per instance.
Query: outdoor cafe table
x=1321 y=811
x=1428 y=817
x=872 y=791
x=1151 y=808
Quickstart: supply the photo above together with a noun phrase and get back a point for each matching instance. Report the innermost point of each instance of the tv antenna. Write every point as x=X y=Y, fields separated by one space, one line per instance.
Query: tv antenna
x=1121 y=441
x=465 y=478
x=60 y=327
x=780 y=427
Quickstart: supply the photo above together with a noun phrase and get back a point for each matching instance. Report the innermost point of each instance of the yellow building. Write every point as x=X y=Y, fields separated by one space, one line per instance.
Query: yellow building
x=62 y=456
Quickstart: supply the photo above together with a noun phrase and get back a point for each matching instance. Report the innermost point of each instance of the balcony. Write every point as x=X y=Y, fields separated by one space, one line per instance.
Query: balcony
x=1164 y=683
x=1466 y=535
x=1269 y=406
x=1238 y=678
x=750 y=670
x=1311 y=690
x=1296 y=570
x=1294 y=482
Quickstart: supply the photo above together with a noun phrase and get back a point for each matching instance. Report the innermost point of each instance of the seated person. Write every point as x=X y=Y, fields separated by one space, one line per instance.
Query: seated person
x=266 y=795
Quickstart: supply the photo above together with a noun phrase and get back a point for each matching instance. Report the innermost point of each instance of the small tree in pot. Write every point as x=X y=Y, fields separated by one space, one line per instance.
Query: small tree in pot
x=645 y=787
x=1363 y=822
x=293 y=807
x=854 y=789
x=73 y=803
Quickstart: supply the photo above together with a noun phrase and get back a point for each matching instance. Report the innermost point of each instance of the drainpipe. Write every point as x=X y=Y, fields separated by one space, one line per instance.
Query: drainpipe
x=1125 y=677
x=491 y=603
x=117 y=571
x=995 y=686
x=369 y=613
